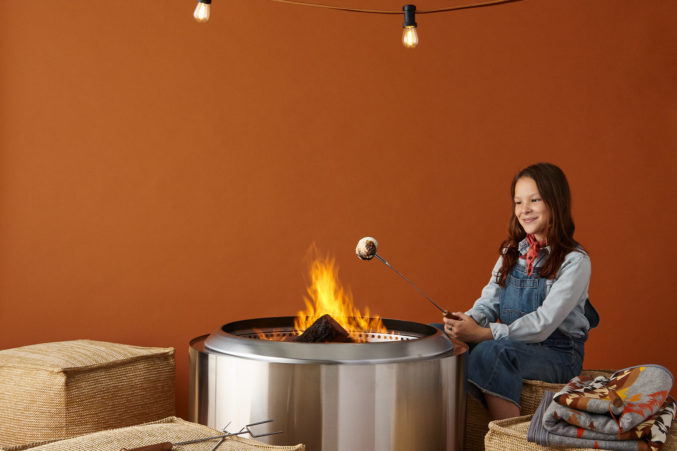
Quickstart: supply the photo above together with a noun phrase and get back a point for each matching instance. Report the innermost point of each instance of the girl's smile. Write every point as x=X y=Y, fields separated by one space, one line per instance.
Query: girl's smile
x=530 y=210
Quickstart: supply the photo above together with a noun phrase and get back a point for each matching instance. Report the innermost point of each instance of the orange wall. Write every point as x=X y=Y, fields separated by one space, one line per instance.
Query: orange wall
x=160 y=178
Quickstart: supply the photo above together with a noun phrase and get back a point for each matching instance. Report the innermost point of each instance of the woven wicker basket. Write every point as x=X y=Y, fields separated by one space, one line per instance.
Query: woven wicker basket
x=172 y=429
x=58 y=390
x=511 y=435
x=477 y=417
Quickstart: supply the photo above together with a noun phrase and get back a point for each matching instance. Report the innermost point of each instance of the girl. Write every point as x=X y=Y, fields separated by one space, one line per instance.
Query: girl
x=533 y=317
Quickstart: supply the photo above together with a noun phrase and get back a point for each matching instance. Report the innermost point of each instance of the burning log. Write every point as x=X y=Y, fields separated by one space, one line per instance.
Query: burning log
x=325 y=330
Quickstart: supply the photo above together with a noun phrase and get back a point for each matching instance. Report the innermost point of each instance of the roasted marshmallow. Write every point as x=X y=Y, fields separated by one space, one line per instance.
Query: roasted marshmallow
x=366 y=248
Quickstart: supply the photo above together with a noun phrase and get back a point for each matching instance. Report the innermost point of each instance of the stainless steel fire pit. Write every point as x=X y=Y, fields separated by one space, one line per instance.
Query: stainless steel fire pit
x=399 y=391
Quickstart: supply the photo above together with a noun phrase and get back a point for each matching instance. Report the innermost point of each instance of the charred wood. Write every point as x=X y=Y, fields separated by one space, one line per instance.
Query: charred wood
x=325 y=330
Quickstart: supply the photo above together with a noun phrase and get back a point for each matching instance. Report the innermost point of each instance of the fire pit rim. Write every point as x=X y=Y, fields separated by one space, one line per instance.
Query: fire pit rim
x=428 y=343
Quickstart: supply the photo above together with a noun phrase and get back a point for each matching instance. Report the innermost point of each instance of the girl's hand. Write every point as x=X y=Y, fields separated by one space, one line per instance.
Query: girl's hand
x=463 y=327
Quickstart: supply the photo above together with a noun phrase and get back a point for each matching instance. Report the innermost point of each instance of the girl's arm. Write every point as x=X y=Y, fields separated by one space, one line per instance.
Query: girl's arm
x=473 y=326
x=486 y=309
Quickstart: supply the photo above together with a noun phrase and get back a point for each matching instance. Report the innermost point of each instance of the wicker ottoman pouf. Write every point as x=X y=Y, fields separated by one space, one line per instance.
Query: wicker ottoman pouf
x=511 y=435
x=477 y=417
x=53 y=391
x=172 y=430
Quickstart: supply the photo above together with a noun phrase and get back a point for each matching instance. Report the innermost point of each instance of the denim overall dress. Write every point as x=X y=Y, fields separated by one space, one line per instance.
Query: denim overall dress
x=497 y=367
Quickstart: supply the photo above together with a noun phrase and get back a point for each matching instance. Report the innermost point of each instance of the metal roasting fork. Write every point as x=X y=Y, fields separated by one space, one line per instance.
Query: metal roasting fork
x=167 y=446
x=225 y=429
x=459 y=346
x=444 y=311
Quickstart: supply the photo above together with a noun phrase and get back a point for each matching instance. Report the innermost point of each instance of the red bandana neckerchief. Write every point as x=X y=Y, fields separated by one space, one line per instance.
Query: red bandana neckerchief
x=532 y=253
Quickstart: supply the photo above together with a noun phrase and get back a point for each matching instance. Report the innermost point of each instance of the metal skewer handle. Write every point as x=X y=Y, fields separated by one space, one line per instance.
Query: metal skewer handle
x=167 y=446
x=444 y=312
x=367 y=249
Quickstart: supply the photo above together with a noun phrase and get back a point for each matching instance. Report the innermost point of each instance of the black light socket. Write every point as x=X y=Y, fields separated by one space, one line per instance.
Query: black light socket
x=409 y=16
x=208 y=2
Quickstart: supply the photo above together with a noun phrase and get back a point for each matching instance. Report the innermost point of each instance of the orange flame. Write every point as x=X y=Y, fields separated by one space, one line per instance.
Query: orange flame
x=327 y=296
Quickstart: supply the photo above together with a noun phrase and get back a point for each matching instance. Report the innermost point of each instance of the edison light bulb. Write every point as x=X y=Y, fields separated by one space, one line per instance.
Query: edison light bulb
x=409 y=37
x=201 y=13
x=409 y=34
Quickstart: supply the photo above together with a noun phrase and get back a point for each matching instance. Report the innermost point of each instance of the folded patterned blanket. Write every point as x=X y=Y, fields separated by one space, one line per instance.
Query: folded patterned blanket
x=649 y=435
x=610 y=405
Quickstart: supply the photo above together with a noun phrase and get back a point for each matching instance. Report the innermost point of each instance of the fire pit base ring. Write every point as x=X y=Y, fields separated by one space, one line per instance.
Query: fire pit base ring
x=403 y=394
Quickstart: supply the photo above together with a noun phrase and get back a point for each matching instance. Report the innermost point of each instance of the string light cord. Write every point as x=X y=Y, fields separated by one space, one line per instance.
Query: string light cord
x=409 y=33
x=376 y=11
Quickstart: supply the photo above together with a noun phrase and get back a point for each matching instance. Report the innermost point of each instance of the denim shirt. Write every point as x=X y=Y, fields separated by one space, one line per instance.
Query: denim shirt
x=563 y=307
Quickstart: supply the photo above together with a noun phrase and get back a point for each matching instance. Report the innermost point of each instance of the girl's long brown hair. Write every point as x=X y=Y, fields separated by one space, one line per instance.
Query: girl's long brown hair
x=554 y=190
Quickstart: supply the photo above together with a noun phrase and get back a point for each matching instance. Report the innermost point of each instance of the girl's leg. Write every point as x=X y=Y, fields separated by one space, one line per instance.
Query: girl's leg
x=495 y=370
x=499 y=408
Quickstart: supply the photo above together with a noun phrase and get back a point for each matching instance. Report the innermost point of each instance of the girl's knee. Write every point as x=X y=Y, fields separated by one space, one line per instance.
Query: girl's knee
x=494 y=347
x=491 y=352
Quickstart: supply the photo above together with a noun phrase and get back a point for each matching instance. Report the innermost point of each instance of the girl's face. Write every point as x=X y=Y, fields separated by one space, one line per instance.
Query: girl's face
x=530 y=210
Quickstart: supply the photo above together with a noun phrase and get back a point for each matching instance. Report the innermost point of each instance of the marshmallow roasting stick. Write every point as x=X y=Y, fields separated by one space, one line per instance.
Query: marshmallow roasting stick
x=167 y=446
x=366 y=250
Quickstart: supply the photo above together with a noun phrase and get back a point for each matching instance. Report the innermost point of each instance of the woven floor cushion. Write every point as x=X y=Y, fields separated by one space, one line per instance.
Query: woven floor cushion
x=57 y=390
x=171 y=429
x=477 y=417
x=511 y=435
